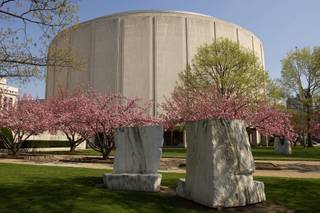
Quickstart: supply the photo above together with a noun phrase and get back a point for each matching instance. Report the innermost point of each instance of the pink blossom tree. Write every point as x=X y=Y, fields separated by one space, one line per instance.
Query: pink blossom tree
x=104 y=114
x=88 y=115
x=196 y=104
x=67 y=112
x=315 y=125
x=20 y=121
x=270 y=121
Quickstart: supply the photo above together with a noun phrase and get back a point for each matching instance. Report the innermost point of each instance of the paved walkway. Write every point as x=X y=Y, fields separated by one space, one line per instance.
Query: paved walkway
x=292 y=172
x=283 y=162
x=58 y=163
x=286 y=173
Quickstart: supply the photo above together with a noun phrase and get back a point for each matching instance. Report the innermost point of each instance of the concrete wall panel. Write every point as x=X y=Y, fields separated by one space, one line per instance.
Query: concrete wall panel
x=61 y=73
x=104 y=60
x=137 y=57
x=200 y=31
x=170 y=53
x=257 y=49
x=50 y=82
x=245 y=39
x=81 y=43
x=225 y=30
x=262 y=54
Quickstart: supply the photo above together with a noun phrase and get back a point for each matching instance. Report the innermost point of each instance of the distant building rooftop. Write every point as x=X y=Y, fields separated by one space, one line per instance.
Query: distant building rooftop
x=7 y=90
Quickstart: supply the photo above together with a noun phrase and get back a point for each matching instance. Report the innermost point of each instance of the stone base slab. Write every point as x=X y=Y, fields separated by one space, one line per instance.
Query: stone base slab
x=251 y=194
x=132 y=182
x=181 y=187
x=256 y=193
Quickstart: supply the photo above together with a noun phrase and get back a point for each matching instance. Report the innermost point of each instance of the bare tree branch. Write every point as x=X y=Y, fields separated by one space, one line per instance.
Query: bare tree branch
x=24 y=53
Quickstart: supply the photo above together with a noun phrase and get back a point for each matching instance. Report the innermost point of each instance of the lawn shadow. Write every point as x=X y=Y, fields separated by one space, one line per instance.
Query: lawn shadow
x=86 y=194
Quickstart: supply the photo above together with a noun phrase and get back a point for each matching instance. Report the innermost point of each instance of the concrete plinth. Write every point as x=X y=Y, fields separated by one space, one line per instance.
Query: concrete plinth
x=137 y=159
x=133 y=182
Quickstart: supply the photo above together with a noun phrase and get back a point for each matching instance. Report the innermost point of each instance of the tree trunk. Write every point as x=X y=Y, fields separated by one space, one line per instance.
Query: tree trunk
x=13 y=152
x=309 y=126
x=103 y=144
x=105 y=155
x=14 y=149
x=72 y=148
x=310 y=140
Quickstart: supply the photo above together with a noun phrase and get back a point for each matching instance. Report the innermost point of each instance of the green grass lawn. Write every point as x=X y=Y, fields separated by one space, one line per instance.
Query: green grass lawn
x=26 y=188
x=262 y=153
x=298 y=153
x=259 y=153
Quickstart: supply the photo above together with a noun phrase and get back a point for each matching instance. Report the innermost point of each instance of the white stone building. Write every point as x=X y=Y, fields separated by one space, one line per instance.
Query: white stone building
x=140 y=53
x=8 y=94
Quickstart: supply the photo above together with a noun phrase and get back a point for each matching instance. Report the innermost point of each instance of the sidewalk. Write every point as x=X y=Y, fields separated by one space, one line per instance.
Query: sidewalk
x=290 y=169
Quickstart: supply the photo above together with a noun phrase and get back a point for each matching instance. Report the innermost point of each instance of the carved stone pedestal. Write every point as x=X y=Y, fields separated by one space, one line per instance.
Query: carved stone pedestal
x=137 y=159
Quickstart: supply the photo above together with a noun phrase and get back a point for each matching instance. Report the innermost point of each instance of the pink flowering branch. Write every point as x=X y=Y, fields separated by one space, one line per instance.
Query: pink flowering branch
x=198 y=104
x=95 y=117
x=21 y=121
x=67 y=111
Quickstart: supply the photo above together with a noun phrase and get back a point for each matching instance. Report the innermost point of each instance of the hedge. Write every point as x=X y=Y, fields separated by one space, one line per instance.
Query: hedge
x=40 y=144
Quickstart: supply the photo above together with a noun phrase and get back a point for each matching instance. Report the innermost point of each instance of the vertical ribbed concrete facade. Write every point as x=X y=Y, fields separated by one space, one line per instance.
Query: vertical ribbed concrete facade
x=140 y=53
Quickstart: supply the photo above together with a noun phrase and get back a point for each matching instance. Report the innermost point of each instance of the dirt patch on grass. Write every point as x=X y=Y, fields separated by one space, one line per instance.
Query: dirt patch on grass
x=88 y=160
x=265 y=207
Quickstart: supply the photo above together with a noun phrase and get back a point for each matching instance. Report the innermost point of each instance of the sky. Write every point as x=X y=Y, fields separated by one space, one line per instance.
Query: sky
x=281 y=25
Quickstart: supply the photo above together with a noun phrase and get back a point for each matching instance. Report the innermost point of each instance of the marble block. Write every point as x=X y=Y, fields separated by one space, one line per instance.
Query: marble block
x=282 y=146
x=219 y=165
x=138 y=150
x=133 y=182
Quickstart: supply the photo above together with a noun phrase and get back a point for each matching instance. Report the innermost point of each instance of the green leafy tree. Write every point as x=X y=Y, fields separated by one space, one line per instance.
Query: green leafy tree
x=275 y=94
x=300 y=76
x=228 y=67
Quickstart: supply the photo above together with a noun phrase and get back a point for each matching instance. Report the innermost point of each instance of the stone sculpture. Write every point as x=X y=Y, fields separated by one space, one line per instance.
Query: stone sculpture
x=219 y=165
x=137 y=159
x=282 y=146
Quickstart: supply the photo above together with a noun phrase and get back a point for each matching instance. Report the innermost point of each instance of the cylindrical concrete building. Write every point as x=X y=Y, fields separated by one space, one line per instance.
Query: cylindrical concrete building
x=140 y=53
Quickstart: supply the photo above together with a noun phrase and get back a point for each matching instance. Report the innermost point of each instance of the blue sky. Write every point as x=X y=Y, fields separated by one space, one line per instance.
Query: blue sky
x=282 y=25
